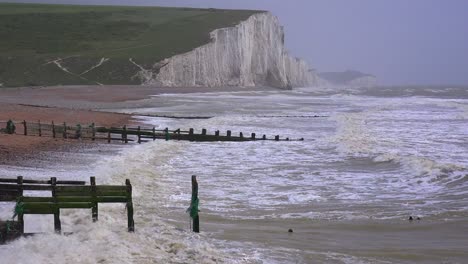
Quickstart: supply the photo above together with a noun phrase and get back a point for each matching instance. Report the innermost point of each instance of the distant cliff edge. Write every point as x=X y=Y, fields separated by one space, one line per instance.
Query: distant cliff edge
x=251 y=53
x=349 y=78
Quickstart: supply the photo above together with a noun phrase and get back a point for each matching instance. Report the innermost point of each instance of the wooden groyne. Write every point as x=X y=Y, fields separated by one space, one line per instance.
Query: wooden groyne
x=127 y=134
x=65 y=194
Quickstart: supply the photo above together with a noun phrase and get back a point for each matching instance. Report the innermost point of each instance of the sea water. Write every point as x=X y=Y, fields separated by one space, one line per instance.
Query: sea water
x=369 y=160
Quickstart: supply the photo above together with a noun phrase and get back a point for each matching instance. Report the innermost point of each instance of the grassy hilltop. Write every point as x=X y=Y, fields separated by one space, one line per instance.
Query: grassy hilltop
x=33 y=36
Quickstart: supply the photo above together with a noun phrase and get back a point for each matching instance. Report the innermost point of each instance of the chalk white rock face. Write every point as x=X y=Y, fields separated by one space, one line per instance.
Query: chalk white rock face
x=250 y=54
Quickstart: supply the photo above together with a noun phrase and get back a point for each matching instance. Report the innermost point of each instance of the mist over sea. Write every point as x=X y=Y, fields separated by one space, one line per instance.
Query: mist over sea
x=370 y=159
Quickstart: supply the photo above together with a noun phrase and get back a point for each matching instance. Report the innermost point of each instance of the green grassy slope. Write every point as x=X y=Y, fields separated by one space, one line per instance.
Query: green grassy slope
x=32 y=36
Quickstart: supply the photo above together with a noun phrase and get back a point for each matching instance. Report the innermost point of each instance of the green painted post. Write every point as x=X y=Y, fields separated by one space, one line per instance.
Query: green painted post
x=19 y=181
x=94 y=209
x=57 y=223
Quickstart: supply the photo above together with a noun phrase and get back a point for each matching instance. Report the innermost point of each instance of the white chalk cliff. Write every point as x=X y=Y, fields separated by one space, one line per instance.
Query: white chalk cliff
x=250 y=54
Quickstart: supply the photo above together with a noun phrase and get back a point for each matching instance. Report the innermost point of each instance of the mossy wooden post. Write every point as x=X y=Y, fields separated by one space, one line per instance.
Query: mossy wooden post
x=131 y=223
x=264 y=137
x=39 y=127
x=241 y=135
x=94 y=209
x=252 y=136
x=53 y=130
x=154 y=133
x=139 y=135
x=57 y=224
x=19 y=181
x=25 y=127
x=64 y=130
x=228 y=133
x=93 y=132
x=203 y=132
x=217 y=133
x=166 y=134
x=276 y=138
x=108 y=136
x=194 y=205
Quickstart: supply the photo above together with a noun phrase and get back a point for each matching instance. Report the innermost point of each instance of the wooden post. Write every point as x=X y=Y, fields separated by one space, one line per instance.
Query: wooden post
x=194 y=202
x=64 y=130
x=190 y=133
x=57 y=224
x=40 y=130
x=154 y=133
x=109 y=136
x=264 y=137
x=228 y=133
x=139 y=135
x=131 y=223
x=277 y=138
x=19 y=181
x=25 y=128
x=94 y=209
x=124 y=134
x=93 y=132
x=166 y=133
x=241 y=135
x=53 y=129
x=217 y=133
x=252 y=136
x=178 y=134
x=21 y=217
x=203 y=132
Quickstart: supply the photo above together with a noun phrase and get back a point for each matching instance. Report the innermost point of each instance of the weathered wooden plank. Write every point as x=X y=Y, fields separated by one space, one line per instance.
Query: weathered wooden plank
x=26 y=187
x=89 y=188
x=76 y=199
x=99 y=193
x=42 y=181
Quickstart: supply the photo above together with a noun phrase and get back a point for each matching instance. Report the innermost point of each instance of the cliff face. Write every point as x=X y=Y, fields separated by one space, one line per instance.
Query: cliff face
x=250 y=54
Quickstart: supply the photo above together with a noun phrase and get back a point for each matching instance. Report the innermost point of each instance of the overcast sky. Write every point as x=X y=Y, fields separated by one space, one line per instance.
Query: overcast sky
x=399 y=41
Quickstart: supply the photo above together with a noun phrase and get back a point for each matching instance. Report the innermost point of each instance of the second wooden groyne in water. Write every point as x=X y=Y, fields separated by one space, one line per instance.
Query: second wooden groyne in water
x=126 y=134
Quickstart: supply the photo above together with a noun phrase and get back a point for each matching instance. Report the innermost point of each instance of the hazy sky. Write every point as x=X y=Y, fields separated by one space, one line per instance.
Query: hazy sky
x=399 y=41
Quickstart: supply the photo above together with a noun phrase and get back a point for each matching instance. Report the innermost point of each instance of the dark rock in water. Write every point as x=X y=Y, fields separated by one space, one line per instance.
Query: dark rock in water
x=418 y=218
x=9 y=230
x=410 y=218
x=290 y=230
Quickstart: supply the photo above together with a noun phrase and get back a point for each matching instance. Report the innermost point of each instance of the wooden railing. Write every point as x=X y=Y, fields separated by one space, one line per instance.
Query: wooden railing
x=128 y=134
x=65 y=194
